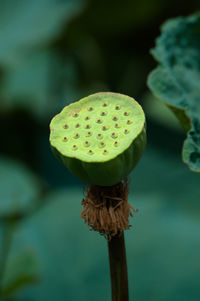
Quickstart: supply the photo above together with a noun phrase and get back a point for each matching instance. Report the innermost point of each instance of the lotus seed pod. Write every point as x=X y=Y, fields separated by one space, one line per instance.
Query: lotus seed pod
x=99 y=138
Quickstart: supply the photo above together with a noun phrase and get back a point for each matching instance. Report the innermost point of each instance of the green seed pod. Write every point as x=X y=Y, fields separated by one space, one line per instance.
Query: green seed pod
x=115 y=143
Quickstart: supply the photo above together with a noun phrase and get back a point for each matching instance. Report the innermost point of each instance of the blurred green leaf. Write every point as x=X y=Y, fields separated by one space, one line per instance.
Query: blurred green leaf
x=159 y=112
x=33 y=75
x=37 y=85
x=19 y=188
x=21 y=271
x=27 y=85
x=162 y=250
x=176 y=80
x=27 y=24
x=164 y=235
x=70 y=254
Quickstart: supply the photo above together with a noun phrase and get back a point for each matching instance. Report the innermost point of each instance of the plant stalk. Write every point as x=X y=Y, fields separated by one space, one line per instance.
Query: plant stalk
x=118 y=268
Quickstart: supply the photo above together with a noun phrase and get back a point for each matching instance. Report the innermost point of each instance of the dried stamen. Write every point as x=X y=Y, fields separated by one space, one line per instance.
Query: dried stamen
x=106 y=209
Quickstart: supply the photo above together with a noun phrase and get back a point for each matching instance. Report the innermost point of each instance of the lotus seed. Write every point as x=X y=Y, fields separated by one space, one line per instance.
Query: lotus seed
x=103 y=113
x=104 y=128
x=105 y=152
x=90 y=152
x=87 y=143
x=113 y=135
x=77 y=125
x=89 y=133
x=115 y=118
x=75 y=115
x=117 y=107
x=76 y=136
x=66 y=126
x=99 y=121
x=102 y=144
x=87 y=126
x=87 y=118
x=99 y=136
x=74 y=147
x=126 y=114
x=125 y=131
x=105 y=104
x=116 y=143
x=116 y=125
x=90 y=108
x=65 y=139
x=129 y=122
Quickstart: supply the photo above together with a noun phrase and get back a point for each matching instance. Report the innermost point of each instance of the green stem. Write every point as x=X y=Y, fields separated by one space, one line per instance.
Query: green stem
x=118 y=268
x=9 y=226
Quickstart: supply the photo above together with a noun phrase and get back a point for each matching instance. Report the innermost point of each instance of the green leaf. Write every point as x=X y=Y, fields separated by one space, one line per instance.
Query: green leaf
x=32 y=79
x=19 y=188
x=30 y=87
x=27 y=85
x=160 y=113
x=22 y=270
x=31 y=24
x=162 y=245
x=176 y=80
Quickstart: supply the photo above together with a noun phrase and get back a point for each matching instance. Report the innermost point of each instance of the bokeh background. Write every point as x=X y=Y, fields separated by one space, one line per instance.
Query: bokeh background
x=54 y=52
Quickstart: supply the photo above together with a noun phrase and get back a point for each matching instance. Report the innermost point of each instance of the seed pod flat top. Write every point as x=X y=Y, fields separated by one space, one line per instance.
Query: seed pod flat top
x=99 y=138
x=97 y=128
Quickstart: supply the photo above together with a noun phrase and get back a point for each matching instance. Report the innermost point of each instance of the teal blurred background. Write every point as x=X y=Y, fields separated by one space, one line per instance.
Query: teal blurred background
x=51 y=54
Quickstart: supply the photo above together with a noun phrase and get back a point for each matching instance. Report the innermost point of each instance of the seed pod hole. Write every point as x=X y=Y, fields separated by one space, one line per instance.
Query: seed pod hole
x=117 y=107
x=105 y=104
x=102 y=144
x=87 y=118
x=76 y=136
x=99 y=121
x=90 y=109
x=77 y=125
x=87 y=143
x=113 y=135
x=90 y=152
x=75 y=115
x=65 y=126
